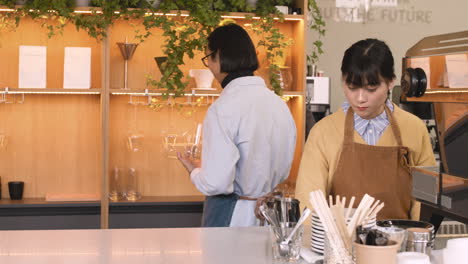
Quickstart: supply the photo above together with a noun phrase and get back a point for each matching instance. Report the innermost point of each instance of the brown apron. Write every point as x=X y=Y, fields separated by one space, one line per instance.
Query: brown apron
x=382 y=172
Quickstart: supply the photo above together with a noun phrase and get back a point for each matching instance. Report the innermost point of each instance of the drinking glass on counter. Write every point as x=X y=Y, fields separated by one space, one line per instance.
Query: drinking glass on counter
x=116 y=183
x=333 y=255
x=287 y=252
x=131 y=192
x=396 y=234
x=286 y=221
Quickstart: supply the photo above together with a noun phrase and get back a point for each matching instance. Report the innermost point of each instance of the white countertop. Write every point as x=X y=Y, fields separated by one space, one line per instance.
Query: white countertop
x=134 y=246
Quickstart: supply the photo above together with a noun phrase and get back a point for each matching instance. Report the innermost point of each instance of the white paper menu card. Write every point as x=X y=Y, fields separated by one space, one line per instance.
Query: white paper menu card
x=457 y=70
x=32 y=67
x=77 y=68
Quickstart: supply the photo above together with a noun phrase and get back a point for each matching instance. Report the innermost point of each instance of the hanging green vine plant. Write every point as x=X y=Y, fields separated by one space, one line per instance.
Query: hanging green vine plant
x=182 y=37
x=8 y=23
x=274 y=43
x=317 y=24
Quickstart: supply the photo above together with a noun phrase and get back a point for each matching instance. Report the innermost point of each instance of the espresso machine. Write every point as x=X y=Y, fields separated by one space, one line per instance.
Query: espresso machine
x=435 y=72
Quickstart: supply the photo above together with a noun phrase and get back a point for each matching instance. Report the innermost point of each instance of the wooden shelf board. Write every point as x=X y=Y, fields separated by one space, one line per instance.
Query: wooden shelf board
x=50 y=91
x=293 y=93
x=453 y=95
x=197 y=92
x=161 y=199
x=41 y=202
x=98 y=10
x=160 y=92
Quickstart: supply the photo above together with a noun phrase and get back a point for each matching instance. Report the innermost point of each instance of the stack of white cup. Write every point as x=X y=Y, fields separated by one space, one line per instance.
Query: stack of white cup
x=456 y=251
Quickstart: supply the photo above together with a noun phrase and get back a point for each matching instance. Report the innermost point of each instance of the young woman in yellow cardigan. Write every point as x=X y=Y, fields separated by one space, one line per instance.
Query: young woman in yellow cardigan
x=369 y=144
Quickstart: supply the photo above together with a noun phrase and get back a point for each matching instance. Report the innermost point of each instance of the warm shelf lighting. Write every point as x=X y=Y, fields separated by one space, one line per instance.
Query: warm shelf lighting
x=292 y=94
x=448 y=91
x=87 y=12
x=46 y=92
x=188 y=94
x=276 y=18
x=159 y=14
x=158 y=94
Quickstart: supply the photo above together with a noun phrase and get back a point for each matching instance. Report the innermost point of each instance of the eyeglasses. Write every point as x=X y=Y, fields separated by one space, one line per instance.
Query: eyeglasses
x=205 y=59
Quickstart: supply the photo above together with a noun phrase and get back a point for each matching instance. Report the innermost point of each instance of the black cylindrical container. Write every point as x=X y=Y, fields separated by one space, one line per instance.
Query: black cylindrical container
x=16 y=189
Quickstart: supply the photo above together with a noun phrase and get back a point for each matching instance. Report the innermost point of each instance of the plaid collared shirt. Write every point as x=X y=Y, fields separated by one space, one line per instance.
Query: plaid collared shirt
x=370 y=130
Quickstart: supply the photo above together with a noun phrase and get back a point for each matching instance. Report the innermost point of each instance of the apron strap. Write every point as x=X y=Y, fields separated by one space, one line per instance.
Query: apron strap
x=349 y=127
x=394 y=125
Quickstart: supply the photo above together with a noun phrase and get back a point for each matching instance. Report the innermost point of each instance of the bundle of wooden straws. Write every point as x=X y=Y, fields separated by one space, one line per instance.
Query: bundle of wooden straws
x=333 y=217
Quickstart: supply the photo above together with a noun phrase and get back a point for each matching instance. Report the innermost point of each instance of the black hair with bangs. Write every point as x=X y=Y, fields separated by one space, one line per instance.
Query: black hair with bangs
x=367 y=62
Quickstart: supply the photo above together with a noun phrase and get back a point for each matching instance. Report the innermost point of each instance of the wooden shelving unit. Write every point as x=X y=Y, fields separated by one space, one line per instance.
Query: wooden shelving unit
x=69 y=140
x=433 y=51
x=450 y=109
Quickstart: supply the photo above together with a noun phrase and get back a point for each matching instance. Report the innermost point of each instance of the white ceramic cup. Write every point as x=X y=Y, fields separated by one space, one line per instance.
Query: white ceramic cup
x=456 y=251
x=413 y=258
x=203 y=77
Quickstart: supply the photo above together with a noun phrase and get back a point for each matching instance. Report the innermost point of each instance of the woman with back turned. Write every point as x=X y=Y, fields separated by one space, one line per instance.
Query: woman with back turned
x=249 y=134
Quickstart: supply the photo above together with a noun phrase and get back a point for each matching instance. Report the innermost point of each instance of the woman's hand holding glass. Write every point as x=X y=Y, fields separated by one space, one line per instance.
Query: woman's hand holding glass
x=189 y=160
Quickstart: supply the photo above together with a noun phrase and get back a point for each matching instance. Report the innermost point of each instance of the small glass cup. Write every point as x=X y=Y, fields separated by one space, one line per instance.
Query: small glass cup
x=131 y=192
x=116 y=183
x=333 y=255
x=193 y=147
x=396 y=234
x=194 y=151
x=173 y=143
x=287 y=252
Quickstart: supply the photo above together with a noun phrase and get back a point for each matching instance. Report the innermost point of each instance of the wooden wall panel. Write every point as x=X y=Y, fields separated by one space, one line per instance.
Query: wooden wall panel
x=159 y=174
x=53 y=144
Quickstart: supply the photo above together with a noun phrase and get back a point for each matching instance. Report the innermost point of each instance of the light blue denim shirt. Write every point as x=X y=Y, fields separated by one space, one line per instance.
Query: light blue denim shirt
x=370 y=130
